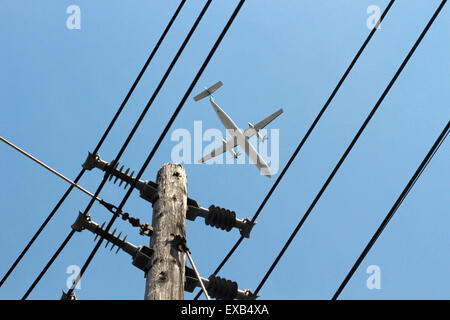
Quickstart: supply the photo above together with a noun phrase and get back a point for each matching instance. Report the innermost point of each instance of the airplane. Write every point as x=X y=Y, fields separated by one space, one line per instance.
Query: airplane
x=239 y=137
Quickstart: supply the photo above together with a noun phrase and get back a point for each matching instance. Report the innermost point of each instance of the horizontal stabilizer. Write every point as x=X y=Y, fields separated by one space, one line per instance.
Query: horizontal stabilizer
x=209 y=91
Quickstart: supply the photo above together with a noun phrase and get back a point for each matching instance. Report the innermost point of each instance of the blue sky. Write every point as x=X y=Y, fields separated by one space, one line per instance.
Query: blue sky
x=60 y=88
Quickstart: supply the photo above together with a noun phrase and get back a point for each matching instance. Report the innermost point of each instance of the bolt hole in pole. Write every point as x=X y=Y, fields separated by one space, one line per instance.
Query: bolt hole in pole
x=168 y=220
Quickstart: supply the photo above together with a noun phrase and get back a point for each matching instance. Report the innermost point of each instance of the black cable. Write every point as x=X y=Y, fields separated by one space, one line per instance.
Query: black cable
x=130 y=136
x=302 y=142
x=394 y=208
x=349 y=148
x=105 y=134
x=121 y=152
x=163 y=134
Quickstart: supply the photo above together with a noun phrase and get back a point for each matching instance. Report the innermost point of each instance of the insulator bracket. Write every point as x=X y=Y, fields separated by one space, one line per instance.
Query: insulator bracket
x=214 y=216
x=141 y=255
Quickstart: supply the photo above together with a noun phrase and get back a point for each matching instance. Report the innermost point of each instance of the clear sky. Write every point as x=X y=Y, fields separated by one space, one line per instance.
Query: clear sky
x=60 y=88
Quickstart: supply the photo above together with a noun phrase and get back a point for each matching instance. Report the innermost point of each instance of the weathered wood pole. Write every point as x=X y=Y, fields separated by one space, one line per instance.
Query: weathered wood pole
x=165 y=279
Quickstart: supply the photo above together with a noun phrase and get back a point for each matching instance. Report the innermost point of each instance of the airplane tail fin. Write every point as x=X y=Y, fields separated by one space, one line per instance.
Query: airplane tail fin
x=208 y=92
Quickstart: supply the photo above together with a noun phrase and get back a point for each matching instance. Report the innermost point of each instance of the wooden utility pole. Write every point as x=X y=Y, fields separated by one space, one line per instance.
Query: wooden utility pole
x=165 y=279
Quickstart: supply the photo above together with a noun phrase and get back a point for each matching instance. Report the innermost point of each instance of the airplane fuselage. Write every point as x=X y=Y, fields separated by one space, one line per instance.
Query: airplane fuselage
x=227 y=122
x=239 y=138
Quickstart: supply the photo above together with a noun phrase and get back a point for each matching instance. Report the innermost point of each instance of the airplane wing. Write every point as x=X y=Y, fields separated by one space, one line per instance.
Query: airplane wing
x=267 y=120
x=209 y=91
x=250 y=132
x=248 y=148
x=226 y=146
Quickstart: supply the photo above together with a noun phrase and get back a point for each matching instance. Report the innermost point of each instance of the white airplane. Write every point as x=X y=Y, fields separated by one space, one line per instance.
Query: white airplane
x=238 y=137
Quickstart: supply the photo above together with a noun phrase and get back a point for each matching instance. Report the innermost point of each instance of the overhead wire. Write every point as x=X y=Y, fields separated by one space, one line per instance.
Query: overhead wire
x=100 y=143
x=163 y=134
x=395 y=207
x=151 y=154
x=172 y=119
x=121 y=151
x=110 y=207
x=350 y=147
x=306 y=136
x=28 y=155
x=127 y=141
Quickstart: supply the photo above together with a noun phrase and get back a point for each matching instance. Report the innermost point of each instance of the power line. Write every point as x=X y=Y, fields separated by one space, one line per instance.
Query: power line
x=51 y=169
x=100 y=143
x=302 y=142
x=120 y=152
x=349 y=148
x=394 y=208
x=110 y=207
x=159 y=141
x=127 y=141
